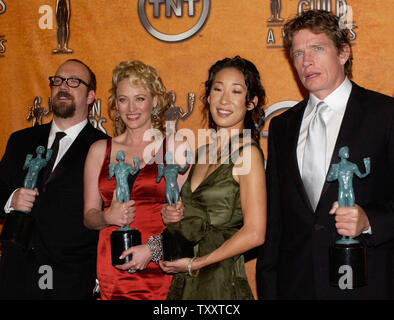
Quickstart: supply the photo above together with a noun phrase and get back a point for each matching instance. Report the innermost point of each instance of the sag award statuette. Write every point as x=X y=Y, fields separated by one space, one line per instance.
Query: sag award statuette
x=63 y=14
x=37 y=112
x=124 y=237
x=173 y=114
x=347 y=252
x=17 y=225
x=173 y=248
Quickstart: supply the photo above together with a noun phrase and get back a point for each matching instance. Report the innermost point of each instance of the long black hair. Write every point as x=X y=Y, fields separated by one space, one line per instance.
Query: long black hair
x=254 y=119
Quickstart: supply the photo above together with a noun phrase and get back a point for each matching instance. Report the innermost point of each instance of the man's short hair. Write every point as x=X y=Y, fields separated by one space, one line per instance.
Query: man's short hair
x=320 y=21
x=92 y=81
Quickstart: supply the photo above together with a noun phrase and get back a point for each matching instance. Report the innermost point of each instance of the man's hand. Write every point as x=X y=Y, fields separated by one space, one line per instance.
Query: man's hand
x=23 y=199
x=350 y=221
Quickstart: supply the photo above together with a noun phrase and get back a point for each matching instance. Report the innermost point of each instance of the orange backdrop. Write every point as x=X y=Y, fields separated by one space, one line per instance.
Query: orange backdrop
x=103 y=33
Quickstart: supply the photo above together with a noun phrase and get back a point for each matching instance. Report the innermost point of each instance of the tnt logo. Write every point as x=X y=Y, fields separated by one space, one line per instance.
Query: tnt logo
x=173 y=20
x=2 y=7
x=2 y=45
x=176 y=7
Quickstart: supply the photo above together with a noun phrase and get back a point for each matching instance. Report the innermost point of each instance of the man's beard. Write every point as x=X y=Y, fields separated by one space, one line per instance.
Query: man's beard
x=63 y=109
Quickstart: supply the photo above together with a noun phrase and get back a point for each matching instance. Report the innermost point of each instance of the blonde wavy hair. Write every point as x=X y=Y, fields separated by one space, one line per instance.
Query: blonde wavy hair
x=139 y=75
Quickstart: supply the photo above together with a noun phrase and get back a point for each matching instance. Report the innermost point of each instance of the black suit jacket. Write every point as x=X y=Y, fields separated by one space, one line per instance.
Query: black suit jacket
x=293 y=262
x=59 y=238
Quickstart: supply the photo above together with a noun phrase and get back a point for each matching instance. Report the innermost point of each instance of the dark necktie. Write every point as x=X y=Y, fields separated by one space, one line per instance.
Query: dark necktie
x=55 y=149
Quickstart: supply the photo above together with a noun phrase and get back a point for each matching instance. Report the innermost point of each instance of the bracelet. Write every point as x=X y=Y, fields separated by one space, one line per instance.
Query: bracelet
x=189 y=268
x=155 y=247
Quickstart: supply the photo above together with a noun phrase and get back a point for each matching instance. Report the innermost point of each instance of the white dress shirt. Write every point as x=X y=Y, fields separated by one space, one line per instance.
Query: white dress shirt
x=337 y=102
x=64 y=144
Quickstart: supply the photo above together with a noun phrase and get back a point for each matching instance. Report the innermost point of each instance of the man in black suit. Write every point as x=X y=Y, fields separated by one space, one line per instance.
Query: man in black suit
x=60 y=262
x=303 y=217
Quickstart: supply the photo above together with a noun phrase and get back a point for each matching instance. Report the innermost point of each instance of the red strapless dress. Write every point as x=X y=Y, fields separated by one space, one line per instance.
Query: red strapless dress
x=149 y=196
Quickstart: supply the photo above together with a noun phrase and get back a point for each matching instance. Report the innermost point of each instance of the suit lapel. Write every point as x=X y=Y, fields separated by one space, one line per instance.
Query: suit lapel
x=294 y=125
x=39 y=138
x=43 y=138
x=75 y=150
x=350 y=123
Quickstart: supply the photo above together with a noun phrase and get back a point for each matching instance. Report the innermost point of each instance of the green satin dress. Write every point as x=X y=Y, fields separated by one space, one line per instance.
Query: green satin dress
x=212 y=215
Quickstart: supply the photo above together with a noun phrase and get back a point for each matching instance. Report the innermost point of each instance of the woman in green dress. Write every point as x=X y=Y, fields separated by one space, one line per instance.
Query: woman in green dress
x=222 y=210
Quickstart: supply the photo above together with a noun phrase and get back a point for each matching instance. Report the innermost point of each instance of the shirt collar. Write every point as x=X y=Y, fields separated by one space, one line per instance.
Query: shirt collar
x=336 y=100
x=71 y=132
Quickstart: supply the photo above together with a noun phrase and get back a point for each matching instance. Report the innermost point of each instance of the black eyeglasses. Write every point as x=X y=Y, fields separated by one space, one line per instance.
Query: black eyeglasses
x=71 y=82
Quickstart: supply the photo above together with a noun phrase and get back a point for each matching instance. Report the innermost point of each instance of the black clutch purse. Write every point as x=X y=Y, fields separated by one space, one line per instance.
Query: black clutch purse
x=175 y=248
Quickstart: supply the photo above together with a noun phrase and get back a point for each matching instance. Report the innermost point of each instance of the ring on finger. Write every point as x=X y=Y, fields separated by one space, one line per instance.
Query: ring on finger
x=131 y=270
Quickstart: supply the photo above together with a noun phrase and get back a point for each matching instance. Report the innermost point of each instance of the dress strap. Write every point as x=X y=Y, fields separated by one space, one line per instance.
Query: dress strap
x=107 y=157
x=164 y=146
x=108 y=149
x=164 y=143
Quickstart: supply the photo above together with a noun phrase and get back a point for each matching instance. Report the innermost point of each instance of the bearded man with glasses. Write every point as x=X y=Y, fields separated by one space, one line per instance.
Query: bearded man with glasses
x=59 y=242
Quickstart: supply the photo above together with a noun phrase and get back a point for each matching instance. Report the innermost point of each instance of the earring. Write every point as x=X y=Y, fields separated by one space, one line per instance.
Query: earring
x=117 y=115
x=155 y=112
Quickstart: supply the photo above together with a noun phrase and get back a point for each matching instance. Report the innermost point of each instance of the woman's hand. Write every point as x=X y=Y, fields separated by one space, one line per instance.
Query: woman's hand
x=141 y=257
x=171 y=214
x=175 y=266
x=120 y=213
